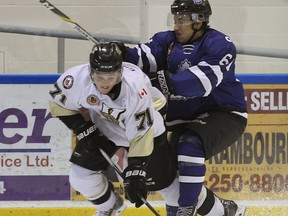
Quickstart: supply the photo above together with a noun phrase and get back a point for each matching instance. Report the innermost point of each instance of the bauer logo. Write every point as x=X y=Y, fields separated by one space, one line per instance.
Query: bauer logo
x=135 y=173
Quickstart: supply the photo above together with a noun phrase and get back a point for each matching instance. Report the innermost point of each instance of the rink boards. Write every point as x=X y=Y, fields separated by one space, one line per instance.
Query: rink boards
x=35 y=148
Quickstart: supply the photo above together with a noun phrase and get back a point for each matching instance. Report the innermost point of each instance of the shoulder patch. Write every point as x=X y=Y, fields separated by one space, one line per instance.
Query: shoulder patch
x=92 y=100
x=68 y=82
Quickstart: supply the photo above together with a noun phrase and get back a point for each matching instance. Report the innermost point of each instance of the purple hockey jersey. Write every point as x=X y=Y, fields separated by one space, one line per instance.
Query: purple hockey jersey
x=202 y=72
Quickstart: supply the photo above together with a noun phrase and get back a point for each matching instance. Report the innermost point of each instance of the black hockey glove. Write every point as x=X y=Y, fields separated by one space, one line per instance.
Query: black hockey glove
x=135 y=184
x=161 y=80
x=122 y=48
x=86 y=131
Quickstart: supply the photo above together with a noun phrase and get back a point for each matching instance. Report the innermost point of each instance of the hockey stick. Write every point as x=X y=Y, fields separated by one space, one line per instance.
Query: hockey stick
x=69 y=20
x=121 y=174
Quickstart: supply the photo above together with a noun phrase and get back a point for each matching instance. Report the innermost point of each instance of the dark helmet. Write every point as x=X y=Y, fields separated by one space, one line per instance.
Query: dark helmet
x=200 y=8
x=106 y=57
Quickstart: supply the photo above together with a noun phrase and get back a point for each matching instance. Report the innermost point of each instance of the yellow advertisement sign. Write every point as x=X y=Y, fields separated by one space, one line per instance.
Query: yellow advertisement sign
x=255 y=167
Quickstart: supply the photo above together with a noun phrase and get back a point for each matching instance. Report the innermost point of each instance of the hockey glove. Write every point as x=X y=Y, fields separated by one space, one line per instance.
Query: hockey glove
x=161 y=80
x=135 y=184
x=86 y=131
x=121 y=46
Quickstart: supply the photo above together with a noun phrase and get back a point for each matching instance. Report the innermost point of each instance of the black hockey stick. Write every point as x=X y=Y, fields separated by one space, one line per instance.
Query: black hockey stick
x=121 y=174
x=69 y=20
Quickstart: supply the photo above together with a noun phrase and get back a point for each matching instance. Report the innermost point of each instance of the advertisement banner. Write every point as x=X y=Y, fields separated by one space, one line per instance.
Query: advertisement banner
x=255 y=167
x=34 y=147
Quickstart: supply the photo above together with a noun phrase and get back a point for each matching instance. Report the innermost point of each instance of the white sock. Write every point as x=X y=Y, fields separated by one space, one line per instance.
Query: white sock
x=217 y=209
x=108 y=204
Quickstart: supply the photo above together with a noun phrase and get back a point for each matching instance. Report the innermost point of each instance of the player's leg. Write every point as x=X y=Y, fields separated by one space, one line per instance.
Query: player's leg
x=162 y=171
x=86 y=177
x=95 y=187
x=171 y=195
x=221 y=129
x=191 y=158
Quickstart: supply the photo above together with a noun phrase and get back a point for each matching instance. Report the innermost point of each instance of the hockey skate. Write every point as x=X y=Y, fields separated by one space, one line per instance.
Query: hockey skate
x=232 y=209
x=117 y=210
x=186 y=211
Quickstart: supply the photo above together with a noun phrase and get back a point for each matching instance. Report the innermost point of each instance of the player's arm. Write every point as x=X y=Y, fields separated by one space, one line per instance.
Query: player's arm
x=140 y=133
x=135 y=173
x=139 y=122
x=201 y=79
x=74 y=120
x=140 y=150
x=152 y=55
x=63 y=105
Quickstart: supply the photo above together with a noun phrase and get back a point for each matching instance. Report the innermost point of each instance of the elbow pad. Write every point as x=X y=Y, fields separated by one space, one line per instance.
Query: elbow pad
x=73 y=122
x=84 y=130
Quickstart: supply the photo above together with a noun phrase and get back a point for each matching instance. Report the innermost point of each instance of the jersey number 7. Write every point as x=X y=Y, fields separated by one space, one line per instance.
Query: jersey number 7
x=144 y=118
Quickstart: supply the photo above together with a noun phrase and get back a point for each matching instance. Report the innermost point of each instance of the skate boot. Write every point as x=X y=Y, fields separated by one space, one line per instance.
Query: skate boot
x=231 y=208
x=186 y=211
x=241 y=211
x=117 y=209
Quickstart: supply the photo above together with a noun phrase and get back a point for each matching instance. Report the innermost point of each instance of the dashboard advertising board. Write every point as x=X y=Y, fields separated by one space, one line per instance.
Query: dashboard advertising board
x=35 y=148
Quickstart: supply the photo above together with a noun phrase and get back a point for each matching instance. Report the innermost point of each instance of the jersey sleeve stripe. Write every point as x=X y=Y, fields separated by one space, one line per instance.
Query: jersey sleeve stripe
x=151 y=58
x=216 y=69
x=203 y=79
x=140 y=62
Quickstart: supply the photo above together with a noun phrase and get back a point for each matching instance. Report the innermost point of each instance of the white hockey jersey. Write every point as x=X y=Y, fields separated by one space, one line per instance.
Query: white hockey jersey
x=130 y=120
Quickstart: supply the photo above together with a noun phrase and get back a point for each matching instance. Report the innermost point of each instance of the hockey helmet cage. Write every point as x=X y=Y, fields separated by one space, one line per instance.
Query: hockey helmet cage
x=200 y=10
x=106 y=57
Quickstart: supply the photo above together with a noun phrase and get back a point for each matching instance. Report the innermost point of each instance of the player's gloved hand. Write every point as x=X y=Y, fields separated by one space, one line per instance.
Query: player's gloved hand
x=86 y=131
x=135 y=184
x=161 y=80
x=121 y=46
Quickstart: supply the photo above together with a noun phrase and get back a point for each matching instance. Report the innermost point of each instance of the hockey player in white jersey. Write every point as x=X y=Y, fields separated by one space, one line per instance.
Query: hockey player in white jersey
x=123 y=112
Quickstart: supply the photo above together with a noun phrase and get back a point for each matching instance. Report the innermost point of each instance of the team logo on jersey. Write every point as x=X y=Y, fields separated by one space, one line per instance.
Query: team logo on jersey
x=142 y=93
x=92 y=100
x=187 y=49
x=68 y=82
x=112 y=114
x=184 y=65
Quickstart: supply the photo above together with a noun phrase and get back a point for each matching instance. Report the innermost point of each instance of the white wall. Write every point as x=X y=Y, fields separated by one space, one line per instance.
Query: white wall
x=250 y=23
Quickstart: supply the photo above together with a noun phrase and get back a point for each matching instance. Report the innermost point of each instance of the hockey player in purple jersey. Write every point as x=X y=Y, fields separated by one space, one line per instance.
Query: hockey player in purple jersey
x=194 y=65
